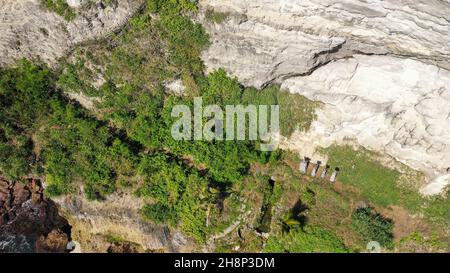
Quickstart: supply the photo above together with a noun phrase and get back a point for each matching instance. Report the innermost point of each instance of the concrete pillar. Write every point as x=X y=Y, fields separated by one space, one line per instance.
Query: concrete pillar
x=334 y=175
x=316 y=169
x=325 y=172
x=304 y=164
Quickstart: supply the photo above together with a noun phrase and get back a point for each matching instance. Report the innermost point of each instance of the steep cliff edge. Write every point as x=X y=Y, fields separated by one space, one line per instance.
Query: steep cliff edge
x=99 y=225
x=380 y=67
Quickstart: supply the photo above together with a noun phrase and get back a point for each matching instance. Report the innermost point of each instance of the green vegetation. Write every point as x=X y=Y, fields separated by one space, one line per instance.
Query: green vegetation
x=308 y=203
x=421 y=243
x=382 y=186
x=180 y=193
x=171 y=7
x=75 y=78
x=77 y=147
x=60 y=7
x=373 y=227
x=296 y=112
x=307 y=215
x=296 y=218
x=181 y=180
x=198 y=187
x=43 y=133
x=24 y=95
x=215 y=16
x=317 y=220
x=312 y=239
x=114 y=239
x=267 y=207
x=377 y=182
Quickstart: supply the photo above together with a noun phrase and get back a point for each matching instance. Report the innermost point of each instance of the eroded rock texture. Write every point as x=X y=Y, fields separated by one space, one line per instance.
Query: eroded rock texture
x=380 y=67
x=94 y=223
x=28 y=30
x=267 y=40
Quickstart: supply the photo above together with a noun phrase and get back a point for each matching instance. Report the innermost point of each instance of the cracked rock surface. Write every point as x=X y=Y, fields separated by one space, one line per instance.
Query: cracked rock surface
x=28 y=30
x=267 y=40
x=380 y=67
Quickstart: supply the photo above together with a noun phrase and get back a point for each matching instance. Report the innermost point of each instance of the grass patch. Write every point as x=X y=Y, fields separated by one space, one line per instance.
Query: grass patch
x=311 y=240
x=381 y=185
x=377 y=183
x=437 y=209
x=419 y=242
x=61 y=8
x=115 y=239
x=216 y=17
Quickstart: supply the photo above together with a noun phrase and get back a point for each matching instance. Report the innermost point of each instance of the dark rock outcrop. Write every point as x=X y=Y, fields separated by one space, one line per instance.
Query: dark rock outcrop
x=30 y=222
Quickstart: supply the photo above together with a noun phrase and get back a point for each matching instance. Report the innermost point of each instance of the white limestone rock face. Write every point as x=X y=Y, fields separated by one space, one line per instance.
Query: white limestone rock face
x=397 y=106
x=28 y=30
x=380 y=67
x=74 y=3
x=175 y=87
x=268 y=40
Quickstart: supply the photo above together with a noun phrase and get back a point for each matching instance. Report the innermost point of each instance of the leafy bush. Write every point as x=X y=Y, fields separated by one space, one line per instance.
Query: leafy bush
x=219 y=88
x=311 y=240
x=76 y=146
x=373 y=226
x=16 y=153
x=40 y=128
x=179 y=193
x=159 y=213
x=185 y=41
x=296 y=112
x=25 y=91
x=72 y=79
x=296 y=218
x=24 y=94
x=170 y=7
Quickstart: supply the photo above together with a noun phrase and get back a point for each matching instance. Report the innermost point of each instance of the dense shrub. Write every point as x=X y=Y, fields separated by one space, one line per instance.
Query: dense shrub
x=311 y=240
x=159 y=213
x=24 y=95
x=76 y=146
x=372 y=226
x=179 y=193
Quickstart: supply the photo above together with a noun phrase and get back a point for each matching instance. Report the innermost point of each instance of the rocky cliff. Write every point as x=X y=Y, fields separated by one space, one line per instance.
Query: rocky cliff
x=29 y=222
x=29 y=30
x=380 y=67
x=100 y=226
